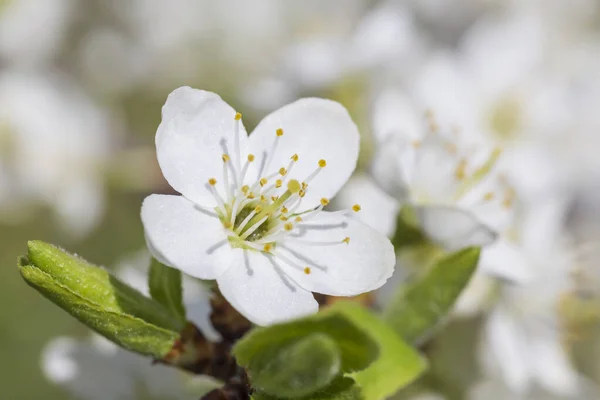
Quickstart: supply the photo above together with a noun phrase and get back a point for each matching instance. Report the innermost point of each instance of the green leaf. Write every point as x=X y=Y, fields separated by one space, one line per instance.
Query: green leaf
x=100 y=301
x=357 y=350
x=398 y=364
x=297 y=369
x=165 y=287
x=418 y=307
x=339 y=389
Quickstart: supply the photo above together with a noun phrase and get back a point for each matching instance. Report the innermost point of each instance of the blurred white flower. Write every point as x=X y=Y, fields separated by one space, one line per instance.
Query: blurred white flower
x=97 y=369
x=32 y=31
x=56 y=144
x=523 y=334
x=455 y=190
x=259 y=229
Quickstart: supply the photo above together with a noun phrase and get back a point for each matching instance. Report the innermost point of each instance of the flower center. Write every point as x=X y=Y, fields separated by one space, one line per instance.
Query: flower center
x=258 y=215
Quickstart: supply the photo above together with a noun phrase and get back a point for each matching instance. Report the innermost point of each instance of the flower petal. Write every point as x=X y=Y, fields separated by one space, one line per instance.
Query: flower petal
x=261 y=292
x=197 y=128
x=503 y=260
x=314 y=129
x=183 y=236
x=453 y=228
x=393 y=166
x=551 y=365
x=335 y=267
x=379 y=210
x=509 y=349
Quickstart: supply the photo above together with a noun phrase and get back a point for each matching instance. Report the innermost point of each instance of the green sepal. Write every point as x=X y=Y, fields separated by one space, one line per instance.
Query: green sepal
x=419 y=306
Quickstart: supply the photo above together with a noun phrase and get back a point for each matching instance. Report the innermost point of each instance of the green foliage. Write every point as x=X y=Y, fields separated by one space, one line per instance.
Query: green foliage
x=298 y=369
x=282 y=344
x=339 y=389
x=165 y=287
x=99 y=300
x=398 y=364
x=408 y=232
x=281 y=360
x=419 y=306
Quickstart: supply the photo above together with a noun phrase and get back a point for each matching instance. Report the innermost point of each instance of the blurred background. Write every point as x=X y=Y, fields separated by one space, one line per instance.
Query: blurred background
x=82 y=83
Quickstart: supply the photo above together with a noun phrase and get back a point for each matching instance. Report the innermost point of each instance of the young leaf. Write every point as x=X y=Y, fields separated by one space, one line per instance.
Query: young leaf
x=339 y=389
x=418 y=307
x=398 y=364
x=357 y=349
x=165 y=287
x=100 y=300
x=297 y=369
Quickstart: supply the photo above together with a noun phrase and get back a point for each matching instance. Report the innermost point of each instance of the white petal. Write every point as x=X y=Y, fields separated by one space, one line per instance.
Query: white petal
x=504 y=260
x=314 y=129
x=454 y=228
x=379 y=210
x=197 y=128
x=261 y=292
x=184 y=237
x=393 y=166
x=340 y=269
x=508 y=346
x=551 y=365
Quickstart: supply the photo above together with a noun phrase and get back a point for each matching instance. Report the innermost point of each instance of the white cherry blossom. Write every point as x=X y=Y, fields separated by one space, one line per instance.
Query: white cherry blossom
x=251 y=211
x=455 y=190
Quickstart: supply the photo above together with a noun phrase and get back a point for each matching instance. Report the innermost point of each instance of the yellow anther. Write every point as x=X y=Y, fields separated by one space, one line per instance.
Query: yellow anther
x=434 y=127
x=257 y=209
x=238 y=116
x=461 y=170
x=278 y=183
x=416 y=143
x=284 y=210
x=274 y=198
x=346 y=240
x=212 y=181
x=322 y=163
x=268 y=247
x=250 y=195
x=304 y=185
x=294 y=186
x=250 y=157
x=263 y=198
x=282 y=171
x=294 y=157
x=227 y=224
x=225 y=158
x=356 y=208
x=245 y=189
x=489 y=196
x=301 y=193
x=298 y=219
x=283 y=218
x=307 y=271
x=279 y=132
x=288 y=226
x=263 y=181
x=324 y=201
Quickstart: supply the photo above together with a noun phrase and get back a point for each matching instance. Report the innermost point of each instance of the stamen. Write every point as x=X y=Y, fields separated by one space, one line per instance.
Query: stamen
x=324 y=202
x=225 y=159
x=356 y=208
x=254 y=227
x=307 y=270
x=489 y=196
x=211 y=184
x=249 y=160
x=278 y=134
x=322 y=164
x=238 y=160
x=461 y=170
x=242 y=225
